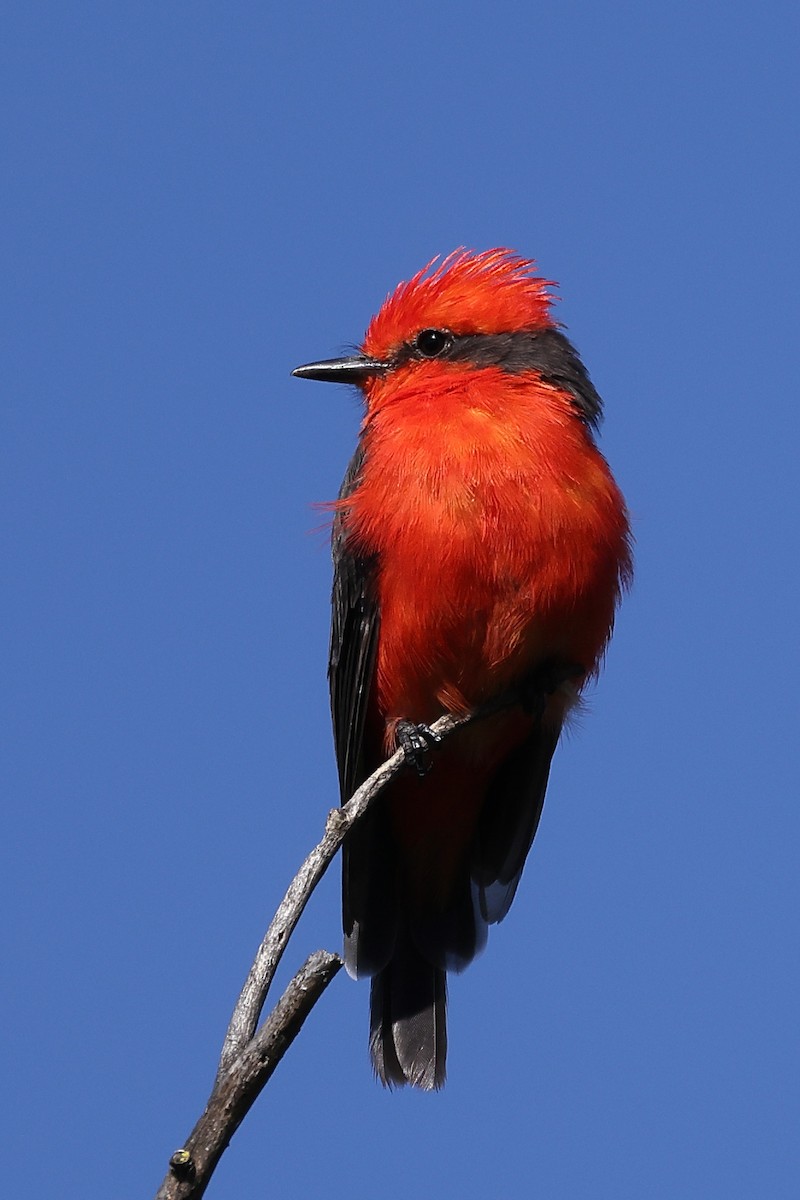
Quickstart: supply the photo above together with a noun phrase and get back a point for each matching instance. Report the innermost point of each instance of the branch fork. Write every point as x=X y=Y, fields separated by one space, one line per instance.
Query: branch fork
x=251 y=1053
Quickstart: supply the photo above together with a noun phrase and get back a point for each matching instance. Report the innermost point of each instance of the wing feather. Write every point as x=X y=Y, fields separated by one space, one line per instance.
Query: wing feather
x=369 y=907
x=509 y=820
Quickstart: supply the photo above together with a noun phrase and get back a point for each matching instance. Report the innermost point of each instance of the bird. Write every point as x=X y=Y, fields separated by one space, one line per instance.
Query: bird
x=480 y=542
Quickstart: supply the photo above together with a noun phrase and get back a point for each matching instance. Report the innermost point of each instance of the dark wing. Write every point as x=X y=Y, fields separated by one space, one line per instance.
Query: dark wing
x=369 y=911
x=509 y=820
x=354 y=639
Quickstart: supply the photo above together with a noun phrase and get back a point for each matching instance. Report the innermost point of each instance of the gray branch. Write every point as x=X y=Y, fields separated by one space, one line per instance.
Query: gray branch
x=250 y=1054
x=235 y=1092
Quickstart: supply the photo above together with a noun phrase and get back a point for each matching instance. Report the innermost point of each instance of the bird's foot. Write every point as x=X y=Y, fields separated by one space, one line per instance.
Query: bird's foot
x=416 y=742
x=538 y=687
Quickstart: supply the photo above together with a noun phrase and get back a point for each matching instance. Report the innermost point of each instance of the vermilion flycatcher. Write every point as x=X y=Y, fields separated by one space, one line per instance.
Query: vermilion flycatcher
x=479 y=541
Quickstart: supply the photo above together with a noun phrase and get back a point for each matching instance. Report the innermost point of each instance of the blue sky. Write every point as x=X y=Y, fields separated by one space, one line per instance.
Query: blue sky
x=197 y=198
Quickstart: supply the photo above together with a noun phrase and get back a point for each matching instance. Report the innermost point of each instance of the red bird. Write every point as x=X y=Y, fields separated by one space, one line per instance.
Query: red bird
x=479 y=541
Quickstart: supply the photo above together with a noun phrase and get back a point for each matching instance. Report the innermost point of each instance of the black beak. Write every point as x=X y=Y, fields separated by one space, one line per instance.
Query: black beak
x=341 y=370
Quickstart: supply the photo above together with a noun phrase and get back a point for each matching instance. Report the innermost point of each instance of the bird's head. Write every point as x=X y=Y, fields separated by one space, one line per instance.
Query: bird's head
x=471 y=311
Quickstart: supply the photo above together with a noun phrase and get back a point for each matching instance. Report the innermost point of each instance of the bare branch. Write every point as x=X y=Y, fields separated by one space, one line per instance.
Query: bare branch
x=248 y=1057
x=259 y=979
x=234 y=1093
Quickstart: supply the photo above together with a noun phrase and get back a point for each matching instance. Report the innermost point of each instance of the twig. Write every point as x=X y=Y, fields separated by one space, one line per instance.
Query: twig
x=250 y=1055
x=234 y=1093
x=259 y=979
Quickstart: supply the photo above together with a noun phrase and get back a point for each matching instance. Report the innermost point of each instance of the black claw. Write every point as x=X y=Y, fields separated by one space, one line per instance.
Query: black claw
x=416 y=741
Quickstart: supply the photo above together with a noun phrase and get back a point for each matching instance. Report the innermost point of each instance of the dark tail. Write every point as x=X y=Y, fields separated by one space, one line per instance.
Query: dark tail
x=408 y=1021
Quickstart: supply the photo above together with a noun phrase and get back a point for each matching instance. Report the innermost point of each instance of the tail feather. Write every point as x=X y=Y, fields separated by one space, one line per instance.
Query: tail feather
x=408 y=1023
x=450 y=937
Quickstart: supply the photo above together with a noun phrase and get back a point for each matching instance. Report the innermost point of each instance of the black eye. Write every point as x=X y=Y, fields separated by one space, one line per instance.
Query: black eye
x=430 y=343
